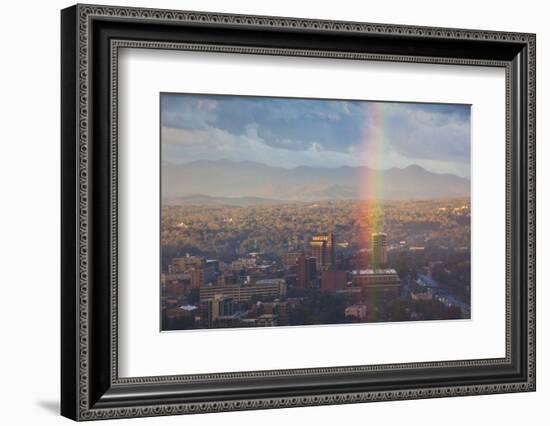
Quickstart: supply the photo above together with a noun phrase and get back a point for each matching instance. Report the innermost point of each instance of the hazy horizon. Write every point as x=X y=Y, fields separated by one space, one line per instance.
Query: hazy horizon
x=174 y=163
x=245 y=180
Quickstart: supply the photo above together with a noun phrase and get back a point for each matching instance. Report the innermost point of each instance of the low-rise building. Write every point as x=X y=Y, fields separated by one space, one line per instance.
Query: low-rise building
x=275 y=288
x=185 y=263
x=421 y=296
x=290 y=259
x=216 y=306
x=377 y=281
x=267 y=320
x=357 y=312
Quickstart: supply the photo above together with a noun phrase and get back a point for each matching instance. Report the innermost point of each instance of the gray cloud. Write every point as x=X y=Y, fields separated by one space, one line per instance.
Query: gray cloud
x=322 y=133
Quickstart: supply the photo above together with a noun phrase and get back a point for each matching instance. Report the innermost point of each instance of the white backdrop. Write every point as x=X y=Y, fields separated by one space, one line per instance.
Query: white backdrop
x=29 y=225
x=142 y=346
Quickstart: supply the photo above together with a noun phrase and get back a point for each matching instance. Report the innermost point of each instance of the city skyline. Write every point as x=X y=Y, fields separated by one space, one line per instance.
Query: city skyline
x=232 y=267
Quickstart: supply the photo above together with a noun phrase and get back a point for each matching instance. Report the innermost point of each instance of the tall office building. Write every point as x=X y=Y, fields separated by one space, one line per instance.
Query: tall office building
x=379 y=249
x=322 y=249
x=306 y=271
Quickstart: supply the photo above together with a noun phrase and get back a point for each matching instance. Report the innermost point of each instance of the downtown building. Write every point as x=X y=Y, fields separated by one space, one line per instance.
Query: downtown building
x=377 y=282
x=217 y=306
x=290 y=259
x=356 y=312
x=186 y=263
x=379 y=249
x=306 y=272
x=272 y=287
x=323 y=250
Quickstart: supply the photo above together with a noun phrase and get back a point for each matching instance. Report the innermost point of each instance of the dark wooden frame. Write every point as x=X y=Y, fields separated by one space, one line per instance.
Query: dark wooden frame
x=90 y=386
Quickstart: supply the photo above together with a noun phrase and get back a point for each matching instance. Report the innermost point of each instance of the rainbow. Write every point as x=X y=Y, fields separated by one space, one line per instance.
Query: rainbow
x=374 y=142
x=373 y=145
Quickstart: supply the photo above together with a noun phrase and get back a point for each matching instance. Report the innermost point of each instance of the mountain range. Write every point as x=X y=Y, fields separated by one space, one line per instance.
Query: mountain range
x=246 y=183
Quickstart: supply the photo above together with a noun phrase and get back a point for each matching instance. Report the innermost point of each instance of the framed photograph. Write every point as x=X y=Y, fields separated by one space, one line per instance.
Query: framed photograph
x=264 y=212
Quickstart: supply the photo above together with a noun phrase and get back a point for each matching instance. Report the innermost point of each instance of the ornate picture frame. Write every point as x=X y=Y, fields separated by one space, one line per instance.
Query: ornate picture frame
x=91 y=37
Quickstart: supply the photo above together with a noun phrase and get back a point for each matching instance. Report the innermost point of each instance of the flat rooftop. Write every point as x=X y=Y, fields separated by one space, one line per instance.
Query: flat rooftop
x=377 y=271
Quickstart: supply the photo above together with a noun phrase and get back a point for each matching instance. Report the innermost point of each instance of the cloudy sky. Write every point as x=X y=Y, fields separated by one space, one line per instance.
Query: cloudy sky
x=287 y=132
